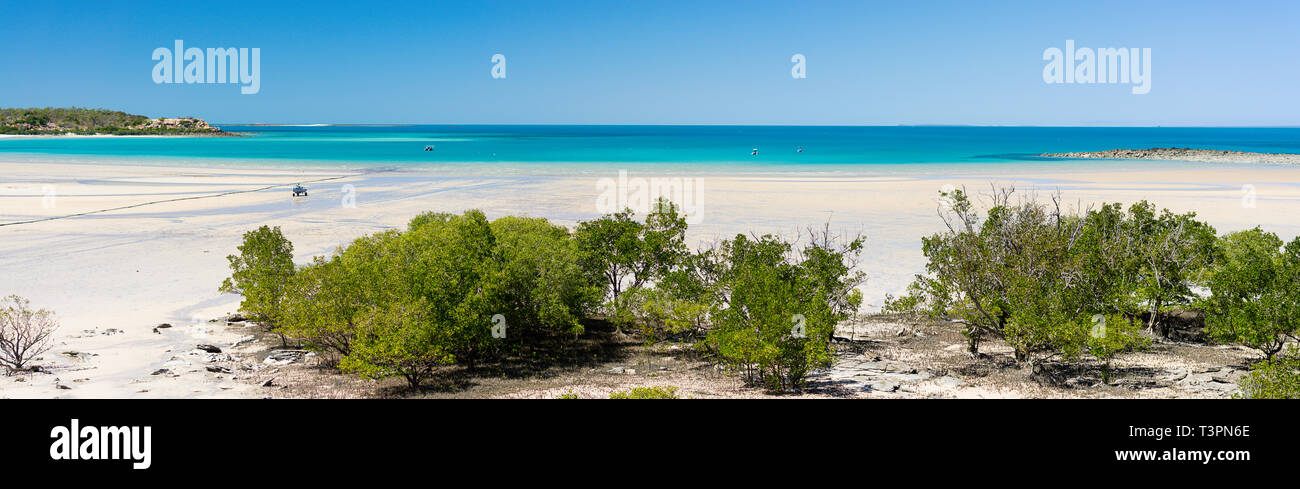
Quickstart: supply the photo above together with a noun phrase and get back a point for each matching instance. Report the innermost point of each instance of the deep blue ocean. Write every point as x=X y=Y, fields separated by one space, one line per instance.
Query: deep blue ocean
x=562 y=149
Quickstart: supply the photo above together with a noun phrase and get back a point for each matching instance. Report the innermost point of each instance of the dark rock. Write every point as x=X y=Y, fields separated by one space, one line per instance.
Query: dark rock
x=247 y=339
x=163 y=326
x=1181 y=324
x=209 y=348
x=949 y=381
x=218 y=369
x=268 y=383
x=284 y=357
x=883 y=386
x=161 y=371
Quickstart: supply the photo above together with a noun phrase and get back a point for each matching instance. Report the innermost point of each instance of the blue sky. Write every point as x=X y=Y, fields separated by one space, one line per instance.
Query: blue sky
x=613 y=62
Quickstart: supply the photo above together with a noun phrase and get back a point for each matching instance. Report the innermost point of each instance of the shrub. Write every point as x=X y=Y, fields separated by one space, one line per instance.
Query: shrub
x=328 y=298
x=443 y=262
x=402 y=339
x=662 y=316
x=261 y=273
x=403 y=304
x=1255 y=291
x=1112 y=335
x=540 y=279
x=776 y=312
x=646 y=393
x=407 y=303
x=1276 y=378
x=1030 y=274
x=628 y=254
x=24 y=333
x=1170 y=251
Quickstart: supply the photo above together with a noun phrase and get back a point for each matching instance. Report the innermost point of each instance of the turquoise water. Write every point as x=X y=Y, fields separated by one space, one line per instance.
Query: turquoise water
x=568 y=149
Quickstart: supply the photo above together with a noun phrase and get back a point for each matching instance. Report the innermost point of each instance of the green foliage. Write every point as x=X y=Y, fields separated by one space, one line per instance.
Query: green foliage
x=1275 y=378
x=78 y=120
x=661 y=315
x=1046 y=281
x=408 y=303
x=646 y=393
x=628 y=254
x=568 y=395
x=1032 y=275
x=70 y=118
x=444 y=263
x=329 y=298
x=1169 y=253
x=776 y=312
x=611 y=245
x=541 y=278
x=1255 y=291
x=1111 y=335
x=404 y=338
x=261 y=272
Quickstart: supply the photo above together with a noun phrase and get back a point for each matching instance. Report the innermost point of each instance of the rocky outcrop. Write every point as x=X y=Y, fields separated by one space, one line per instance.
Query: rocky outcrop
x=181 y=123
x=1183 y=154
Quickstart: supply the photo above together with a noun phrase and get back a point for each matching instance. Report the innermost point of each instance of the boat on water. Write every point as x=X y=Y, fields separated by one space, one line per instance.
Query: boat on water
x=299 y=190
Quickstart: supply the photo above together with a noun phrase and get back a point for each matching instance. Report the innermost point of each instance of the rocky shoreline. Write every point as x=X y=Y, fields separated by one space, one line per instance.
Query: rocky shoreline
x=1183 y=154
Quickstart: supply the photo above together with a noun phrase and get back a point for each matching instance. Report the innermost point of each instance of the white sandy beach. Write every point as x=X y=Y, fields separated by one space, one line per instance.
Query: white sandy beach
x=133 y=268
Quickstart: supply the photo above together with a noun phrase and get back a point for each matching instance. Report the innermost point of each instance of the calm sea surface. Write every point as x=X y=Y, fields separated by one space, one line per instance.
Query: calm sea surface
x=565 y=150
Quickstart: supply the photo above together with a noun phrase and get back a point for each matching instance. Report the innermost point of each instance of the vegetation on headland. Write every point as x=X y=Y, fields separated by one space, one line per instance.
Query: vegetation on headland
x=82 y=121
x=462 y=291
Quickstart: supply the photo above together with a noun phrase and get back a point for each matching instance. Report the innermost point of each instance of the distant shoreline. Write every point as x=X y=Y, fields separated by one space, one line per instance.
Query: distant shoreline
x=212 y=134
x=1183 y=154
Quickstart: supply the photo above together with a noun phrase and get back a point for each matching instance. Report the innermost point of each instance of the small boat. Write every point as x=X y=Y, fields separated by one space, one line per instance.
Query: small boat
x=755 y=152
x=428 y=148
x=800 y=149
x=299 y=190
